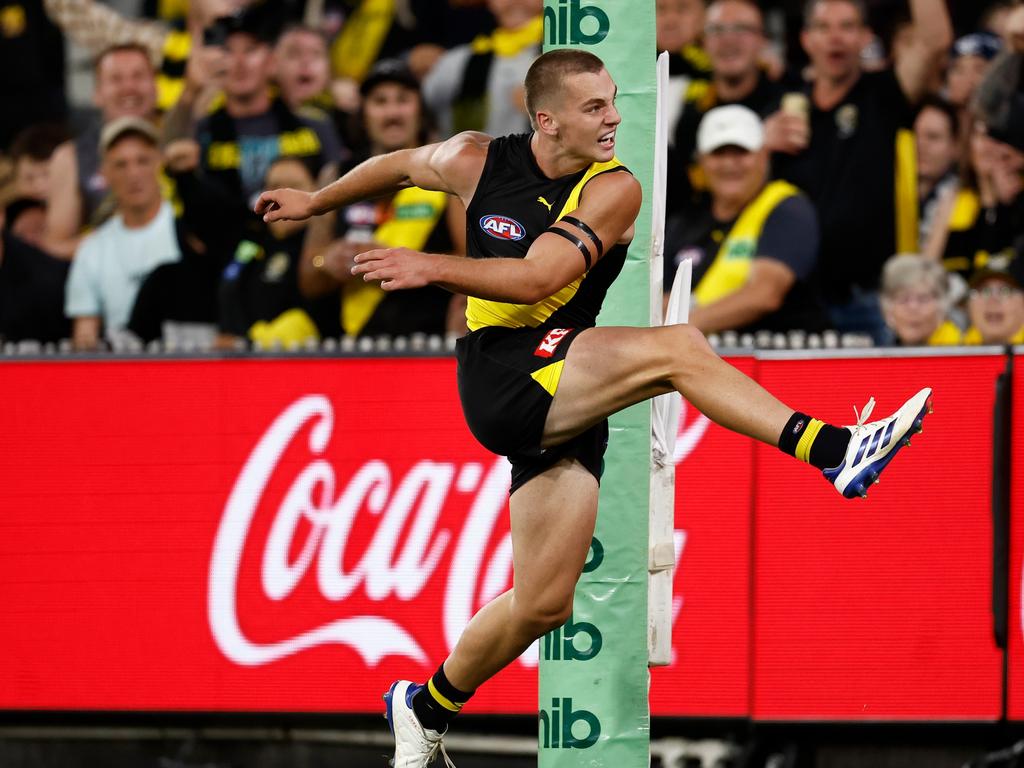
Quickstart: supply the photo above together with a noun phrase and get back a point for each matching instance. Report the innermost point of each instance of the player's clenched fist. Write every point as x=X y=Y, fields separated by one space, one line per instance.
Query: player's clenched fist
x=285 y=204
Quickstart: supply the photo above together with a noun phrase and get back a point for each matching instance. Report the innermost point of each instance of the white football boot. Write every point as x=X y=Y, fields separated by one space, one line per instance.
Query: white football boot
x=873 y=445
x=415 y=746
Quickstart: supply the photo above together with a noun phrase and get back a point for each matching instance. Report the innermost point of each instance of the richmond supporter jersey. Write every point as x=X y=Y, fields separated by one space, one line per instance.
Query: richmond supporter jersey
x=514 y=204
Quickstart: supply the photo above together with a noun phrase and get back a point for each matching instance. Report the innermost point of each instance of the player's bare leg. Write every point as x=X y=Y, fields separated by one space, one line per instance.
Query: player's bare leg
x=553 y=517
x=608 y=369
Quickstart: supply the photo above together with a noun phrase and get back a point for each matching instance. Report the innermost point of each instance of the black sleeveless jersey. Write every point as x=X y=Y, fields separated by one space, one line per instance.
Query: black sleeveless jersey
x=513 y=205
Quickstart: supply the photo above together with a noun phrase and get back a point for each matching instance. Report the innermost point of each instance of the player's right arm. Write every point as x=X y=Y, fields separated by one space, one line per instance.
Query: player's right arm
x=453 y=166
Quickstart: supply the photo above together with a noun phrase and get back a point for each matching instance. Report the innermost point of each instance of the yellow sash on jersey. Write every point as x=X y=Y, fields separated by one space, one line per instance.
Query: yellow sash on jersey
x=170 y=80
x=482 y=312
x=357 y=46
x=416 y=213
x=906 y=192
x=731 y=268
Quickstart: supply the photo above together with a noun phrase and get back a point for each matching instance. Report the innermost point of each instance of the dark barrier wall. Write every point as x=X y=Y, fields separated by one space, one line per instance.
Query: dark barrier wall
x=291 y=535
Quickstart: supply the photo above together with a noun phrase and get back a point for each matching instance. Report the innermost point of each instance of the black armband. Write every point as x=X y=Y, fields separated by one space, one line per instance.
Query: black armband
x=583 y=227
x=575 y=241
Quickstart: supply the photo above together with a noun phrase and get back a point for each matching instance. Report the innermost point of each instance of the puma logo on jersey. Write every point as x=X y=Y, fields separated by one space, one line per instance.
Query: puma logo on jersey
x=544 y=202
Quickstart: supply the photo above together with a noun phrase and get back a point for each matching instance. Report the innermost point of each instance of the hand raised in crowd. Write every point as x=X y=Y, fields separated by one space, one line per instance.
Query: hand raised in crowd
x=181 y=156
x=786 y=132
x=284 y=205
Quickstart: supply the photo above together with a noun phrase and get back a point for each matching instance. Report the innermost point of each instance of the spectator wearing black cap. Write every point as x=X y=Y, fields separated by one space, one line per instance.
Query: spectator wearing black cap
x=31 y=281
x=240 y=139
x=969 y=60
x=845 y=141
x=479 y=86
x=113 y=260
x=392 y=117
x=996 y=303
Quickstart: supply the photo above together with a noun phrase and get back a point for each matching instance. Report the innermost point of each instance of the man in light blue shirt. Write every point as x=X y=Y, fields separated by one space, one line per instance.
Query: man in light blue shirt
x=111 y=263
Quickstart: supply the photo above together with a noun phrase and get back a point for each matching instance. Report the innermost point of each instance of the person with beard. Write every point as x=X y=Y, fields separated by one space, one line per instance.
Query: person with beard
x=392 y=118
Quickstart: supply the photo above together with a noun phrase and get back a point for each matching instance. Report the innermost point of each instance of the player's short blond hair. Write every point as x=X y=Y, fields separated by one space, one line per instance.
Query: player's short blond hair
x=547 y=73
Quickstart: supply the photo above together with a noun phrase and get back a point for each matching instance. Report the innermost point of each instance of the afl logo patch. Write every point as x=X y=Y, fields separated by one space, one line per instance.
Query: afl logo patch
x=502 y=227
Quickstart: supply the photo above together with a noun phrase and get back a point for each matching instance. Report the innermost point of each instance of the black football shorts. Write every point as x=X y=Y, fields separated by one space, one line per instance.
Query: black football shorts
x=507 y=380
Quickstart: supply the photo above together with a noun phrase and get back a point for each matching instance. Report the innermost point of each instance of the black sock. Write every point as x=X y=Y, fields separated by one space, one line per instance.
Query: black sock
x=438 y=702
x=813 y=441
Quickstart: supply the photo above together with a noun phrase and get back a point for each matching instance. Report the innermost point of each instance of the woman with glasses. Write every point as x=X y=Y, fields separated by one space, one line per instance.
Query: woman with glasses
x=995 y=304
x=915 y=302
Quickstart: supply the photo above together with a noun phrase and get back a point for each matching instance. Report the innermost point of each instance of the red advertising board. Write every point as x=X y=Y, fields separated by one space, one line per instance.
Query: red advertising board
x=1015 y=639
x=711 y=670
x=879 y=609
x=292 y=535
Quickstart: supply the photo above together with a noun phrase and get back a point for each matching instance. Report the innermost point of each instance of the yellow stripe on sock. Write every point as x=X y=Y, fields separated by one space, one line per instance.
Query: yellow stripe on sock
x=803 y=448
x=444 y=702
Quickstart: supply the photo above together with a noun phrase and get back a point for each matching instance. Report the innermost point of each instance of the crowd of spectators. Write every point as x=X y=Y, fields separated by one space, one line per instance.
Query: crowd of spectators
x=837 y=164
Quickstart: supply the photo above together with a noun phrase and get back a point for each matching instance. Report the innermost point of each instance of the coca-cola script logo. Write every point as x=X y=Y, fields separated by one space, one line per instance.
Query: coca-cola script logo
x=413 y=502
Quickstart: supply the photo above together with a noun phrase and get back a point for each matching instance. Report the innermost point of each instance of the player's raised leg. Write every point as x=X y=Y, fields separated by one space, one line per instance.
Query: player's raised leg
x=552 y=518
x=608 y=369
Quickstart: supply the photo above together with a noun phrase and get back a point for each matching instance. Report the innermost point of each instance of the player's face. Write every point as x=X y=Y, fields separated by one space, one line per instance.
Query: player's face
x=587 y=117
x=834 y=37
x=733 y=38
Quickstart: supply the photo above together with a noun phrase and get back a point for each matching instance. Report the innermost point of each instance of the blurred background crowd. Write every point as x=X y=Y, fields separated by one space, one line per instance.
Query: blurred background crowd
x=834 y=165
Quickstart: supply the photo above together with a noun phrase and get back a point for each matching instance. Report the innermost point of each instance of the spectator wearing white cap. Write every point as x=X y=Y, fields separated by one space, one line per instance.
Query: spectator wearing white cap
x=111 y=263
x=755 y=247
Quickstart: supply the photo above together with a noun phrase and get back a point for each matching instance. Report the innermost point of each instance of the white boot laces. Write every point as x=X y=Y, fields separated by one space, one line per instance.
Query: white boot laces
x=862 y=416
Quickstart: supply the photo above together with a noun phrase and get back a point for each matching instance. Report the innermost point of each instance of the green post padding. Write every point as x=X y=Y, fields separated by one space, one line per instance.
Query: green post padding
x=593 y=671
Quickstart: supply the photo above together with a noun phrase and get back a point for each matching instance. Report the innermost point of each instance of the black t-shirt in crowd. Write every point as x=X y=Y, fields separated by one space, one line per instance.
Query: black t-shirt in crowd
x=848 y=171
x=31 y=293
x=789 y=235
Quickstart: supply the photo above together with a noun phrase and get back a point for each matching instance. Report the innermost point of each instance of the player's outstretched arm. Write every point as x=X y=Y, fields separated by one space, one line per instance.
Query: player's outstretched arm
x=609 y=207
x=452 y=166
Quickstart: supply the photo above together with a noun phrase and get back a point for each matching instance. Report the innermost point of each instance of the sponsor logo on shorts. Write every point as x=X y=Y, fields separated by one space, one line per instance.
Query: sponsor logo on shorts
x=502 y=227
x=549 y=344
